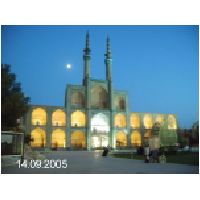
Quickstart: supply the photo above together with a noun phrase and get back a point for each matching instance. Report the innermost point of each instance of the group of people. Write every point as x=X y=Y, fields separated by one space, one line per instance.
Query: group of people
x=154 y=155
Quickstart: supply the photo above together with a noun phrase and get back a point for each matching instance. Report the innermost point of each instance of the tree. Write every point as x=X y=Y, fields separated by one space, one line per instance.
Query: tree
x=13 y=102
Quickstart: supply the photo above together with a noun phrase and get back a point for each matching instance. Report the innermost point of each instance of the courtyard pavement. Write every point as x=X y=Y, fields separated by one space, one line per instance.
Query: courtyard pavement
x=91 y=162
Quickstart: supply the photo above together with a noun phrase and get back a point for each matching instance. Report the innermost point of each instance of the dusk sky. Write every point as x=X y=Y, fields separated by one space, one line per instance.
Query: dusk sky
x=157 y=65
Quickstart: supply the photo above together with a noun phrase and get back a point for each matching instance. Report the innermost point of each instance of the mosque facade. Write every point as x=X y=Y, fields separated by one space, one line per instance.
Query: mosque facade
x=96 y=115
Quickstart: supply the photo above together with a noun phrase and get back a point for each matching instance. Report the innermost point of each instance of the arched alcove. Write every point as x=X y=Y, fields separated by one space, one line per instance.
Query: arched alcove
x=58 y=118
x=58 y=138
x=121 y=139
x=78 y=139
x=120 y=120
x=39 y=116
x=78 y=119
x=38 y=137
x=99 y=97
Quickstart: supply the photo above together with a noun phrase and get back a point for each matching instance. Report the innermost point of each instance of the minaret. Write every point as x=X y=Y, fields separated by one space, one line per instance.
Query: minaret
x=108 y=60
x=86 y=59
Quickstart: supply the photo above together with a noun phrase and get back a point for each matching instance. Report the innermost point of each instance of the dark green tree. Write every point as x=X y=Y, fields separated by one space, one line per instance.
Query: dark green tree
x=13 y=102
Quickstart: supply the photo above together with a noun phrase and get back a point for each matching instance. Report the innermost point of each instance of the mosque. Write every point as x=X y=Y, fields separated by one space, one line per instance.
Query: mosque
x=95 y=115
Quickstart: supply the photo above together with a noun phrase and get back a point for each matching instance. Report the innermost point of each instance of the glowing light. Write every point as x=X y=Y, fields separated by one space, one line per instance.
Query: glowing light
x=68 y=66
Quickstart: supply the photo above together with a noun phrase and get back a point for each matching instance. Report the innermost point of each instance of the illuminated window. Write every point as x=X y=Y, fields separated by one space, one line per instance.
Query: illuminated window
x=58 y=118
x=120 y=120
x=38 y=137
x=136 y=138
x=78 y=118
x=39 y=117
x=172 y=122
x=147 y=121
x=100 y=123
x=77 y=99
x=58 y=138
x=120 y=103
x=99 y=97
x=78 y=139
x=160 y=119
x=135 y=120
x=121 y=139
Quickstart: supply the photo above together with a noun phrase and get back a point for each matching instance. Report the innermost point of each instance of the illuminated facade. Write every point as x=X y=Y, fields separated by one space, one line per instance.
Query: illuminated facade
x=96 y=115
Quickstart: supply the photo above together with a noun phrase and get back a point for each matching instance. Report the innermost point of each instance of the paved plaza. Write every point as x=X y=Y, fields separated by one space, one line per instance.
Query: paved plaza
x=91 y=162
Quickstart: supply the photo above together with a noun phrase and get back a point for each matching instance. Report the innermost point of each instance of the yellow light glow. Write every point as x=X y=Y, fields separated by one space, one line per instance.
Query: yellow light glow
x=121 y=139
x=58 y=138
x=172 y=122
x=78 y=118
x=120 y=120
x=136 y=138
x=39 y=117
x=148 y=122
x=78 y=139
x=135 y=120
x=58 y=118
x=39 y=138
x=160 y=119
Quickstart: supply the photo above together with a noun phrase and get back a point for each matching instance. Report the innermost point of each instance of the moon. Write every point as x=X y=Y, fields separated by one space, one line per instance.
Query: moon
x=68 y=66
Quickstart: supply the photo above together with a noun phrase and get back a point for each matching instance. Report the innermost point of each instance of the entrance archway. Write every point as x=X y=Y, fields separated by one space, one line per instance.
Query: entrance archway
x=100 y=128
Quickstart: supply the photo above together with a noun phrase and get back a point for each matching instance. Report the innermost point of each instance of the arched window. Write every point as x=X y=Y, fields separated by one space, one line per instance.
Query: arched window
x=38 y=137
x=100 y=123
x=99 y=97
x=120 y=120
x=148 y=122
x=160 y=119
x=172 y=122
x=135 y=120
x=78 y=139
x=121 y=139
x=120 y=103
x=39 y=116
x=58 y=138
x=78 y=118
x=136 y=138
x=77 y=99
x=59 y=118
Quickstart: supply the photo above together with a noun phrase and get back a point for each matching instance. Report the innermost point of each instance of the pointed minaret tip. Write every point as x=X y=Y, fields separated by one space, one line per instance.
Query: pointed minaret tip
x=87 y=39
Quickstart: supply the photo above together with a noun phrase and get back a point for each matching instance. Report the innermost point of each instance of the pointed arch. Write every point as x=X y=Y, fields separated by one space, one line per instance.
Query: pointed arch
x=120 y=120
x=58 y=138
x=78 y=119
x=148 y=121
x=121 y=139
x=59 y=118
x=78 y=139
x=99 y=97
x=39 y=116
x=172 y=122
x=136 y=138
x=135 y=120
x=77 y=99
x=38 y=137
